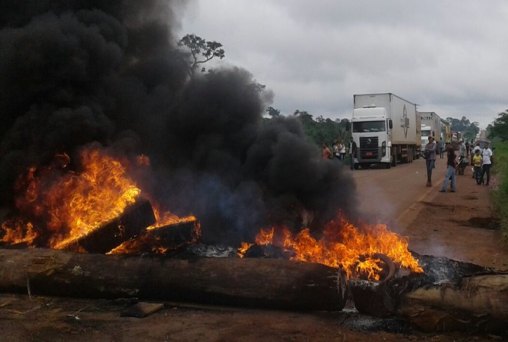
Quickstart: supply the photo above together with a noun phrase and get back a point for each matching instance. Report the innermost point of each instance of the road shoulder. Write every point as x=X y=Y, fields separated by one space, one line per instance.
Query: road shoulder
x=459 y=225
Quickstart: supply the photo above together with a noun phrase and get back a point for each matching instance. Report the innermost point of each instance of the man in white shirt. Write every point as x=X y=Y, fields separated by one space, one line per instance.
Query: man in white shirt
x=487 y=156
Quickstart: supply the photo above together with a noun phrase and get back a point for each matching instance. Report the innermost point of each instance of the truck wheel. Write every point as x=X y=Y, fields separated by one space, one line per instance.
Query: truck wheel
x=388 y=165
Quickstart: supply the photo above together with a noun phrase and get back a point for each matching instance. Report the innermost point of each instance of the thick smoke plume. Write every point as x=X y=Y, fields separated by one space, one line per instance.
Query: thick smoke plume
x=75 y=72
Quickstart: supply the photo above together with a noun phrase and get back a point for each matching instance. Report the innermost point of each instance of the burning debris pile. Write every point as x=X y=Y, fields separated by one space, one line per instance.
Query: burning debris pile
x=109 y=74
x=109 y=145
x=97 y=209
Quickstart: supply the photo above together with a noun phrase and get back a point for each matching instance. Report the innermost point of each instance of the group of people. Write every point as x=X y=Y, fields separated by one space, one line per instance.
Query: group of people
x=338 y=151
x=481 y=161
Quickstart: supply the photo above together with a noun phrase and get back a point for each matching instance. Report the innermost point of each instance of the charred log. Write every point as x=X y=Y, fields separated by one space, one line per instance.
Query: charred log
x=268 y=251
x=131 y=223
x=266 y=283
x=169 y=239
x=449 y=295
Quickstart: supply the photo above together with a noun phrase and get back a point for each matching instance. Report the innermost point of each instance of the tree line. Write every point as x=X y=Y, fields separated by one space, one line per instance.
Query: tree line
x=499 y=128
x=325 y=130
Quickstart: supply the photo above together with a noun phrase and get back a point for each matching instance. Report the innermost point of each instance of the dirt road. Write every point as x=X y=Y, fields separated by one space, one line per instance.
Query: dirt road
x=395 y=196
x=457 y=225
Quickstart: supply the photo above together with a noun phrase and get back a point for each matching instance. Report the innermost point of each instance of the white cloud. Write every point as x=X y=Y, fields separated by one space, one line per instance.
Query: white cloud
x=447 y=56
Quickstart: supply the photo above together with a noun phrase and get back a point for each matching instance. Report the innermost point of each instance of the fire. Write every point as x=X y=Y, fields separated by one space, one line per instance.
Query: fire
x=342 y=245
x=17 y=231
x=57 y=205
x=71 y=204
x=166 y=218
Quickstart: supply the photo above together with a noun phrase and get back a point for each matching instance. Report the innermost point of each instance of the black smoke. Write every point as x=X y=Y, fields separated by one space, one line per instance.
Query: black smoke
x=79 y=72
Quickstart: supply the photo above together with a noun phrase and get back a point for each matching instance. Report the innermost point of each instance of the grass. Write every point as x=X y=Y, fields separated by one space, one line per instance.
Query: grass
x=500 y=194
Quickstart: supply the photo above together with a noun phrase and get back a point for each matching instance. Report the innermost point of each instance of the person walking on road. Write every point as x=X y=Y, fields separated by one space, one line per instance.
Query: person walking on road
x=451 y=164
x=477 y=166
x=486 y=163
x=430 y=159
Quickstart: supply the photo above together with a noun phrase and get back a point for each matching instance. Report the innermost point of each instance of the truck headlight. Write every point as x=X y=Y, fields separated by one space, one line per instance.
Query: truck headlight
x=383 y=148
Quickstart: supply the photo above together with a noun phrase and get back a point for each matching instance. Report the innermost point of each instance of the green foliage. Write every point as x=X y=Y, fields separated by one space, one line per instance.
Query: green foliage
x=273 y=112
x=201 y=51
x=323 y=130
x=500 y=194
x=468 y=129
x=499 y=128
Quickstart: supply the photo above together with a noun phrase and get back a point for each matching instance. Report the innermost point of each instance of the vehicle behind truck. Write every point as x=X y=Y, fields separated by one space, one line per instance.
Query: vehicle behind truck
x=430 y=127
x=384 y=130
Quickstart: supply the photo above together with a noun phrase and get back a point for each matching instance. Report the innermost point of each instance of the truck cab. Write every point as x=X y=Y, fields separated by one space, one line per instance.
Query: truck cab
x=371 y=133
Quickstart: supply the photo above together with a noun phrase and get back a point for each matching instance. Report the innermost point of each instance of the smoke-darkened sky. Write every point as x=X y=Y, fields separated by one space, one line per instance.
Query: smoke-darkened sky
x=446 y=56
x=109 y=73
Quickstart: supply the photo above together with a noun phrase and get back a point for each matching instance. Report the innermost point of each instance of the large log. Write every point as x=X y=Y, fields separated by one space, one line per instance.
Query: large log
x=266 y=283
x=449 y=295
x=476 y=304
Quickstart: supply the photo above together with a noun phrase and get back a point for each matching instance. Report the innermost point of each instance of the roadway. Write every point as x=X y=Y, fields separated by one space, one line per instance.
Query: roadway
x=393 y=195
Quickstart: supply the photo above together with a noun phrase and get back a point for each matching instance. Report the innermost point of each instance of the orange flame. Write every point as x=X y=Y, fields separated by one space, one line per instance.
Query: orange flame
x=70 y=205
x=342 y=245
x=167 y=218
x=17 y=231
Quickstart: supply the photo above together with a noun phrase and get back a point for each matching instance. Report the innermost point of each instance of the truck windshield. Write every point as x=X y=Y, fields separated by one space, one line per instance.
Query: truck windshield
x=369 y=126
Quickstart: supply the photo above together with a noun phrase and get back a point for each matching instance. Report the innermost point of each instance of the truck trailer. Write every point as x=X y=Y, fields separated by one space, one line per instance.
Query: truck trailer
x=430 y=127
x=383 y=129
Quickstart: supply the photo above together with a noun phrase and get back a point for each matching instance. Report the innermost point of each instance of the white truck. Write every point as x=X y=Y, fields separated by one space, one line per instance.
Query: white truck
x=431 y=126
x=384 y=129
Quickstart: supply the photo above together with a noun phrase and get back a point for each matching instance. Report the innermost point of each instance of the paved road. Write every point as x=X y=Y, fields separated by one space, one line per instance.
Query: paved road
x=392 y=195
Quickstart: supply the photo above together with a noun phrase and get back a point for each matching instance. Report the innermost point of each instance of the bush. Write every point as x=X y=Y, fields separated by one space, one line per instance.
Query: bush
x=500 y=194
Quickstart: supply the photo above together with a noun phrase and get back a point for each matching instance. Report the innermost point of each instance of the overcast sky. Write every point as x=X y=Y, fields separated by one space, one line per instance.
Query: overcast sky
x=450 y=57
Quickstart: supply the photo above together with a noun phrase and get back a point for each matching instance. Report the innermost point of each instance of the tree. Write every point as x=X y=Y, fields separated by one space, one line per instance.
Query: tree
x=499 y=129
x=323 y=130
x=469 y=130
x=273 y=112
x=201 y=51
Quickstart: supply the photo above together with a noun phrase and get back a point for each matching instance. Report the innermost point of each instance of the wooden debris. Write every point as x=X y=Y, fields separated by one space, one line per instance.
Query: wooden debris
x=162 y=240
x=449 y=295
x=131 y=223
x=262 y=283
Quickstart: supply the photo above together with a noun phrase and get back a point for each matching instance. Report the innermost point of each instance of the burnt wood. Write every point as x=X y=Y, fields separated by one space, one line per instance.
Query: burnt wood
x=169 y=239
x=450 y=295
x=262 y=283
x=132 y=222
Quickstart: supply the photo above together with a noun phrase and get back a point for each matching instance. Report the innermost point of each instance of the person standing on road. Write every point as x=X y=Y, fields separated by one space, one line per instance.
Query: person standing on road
x=451 y=164
x=430 y=159
x=342 y=151
x=352 y=152
x=335 y=148
x=487 y=163
x=477 y=166
x=325 y=152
